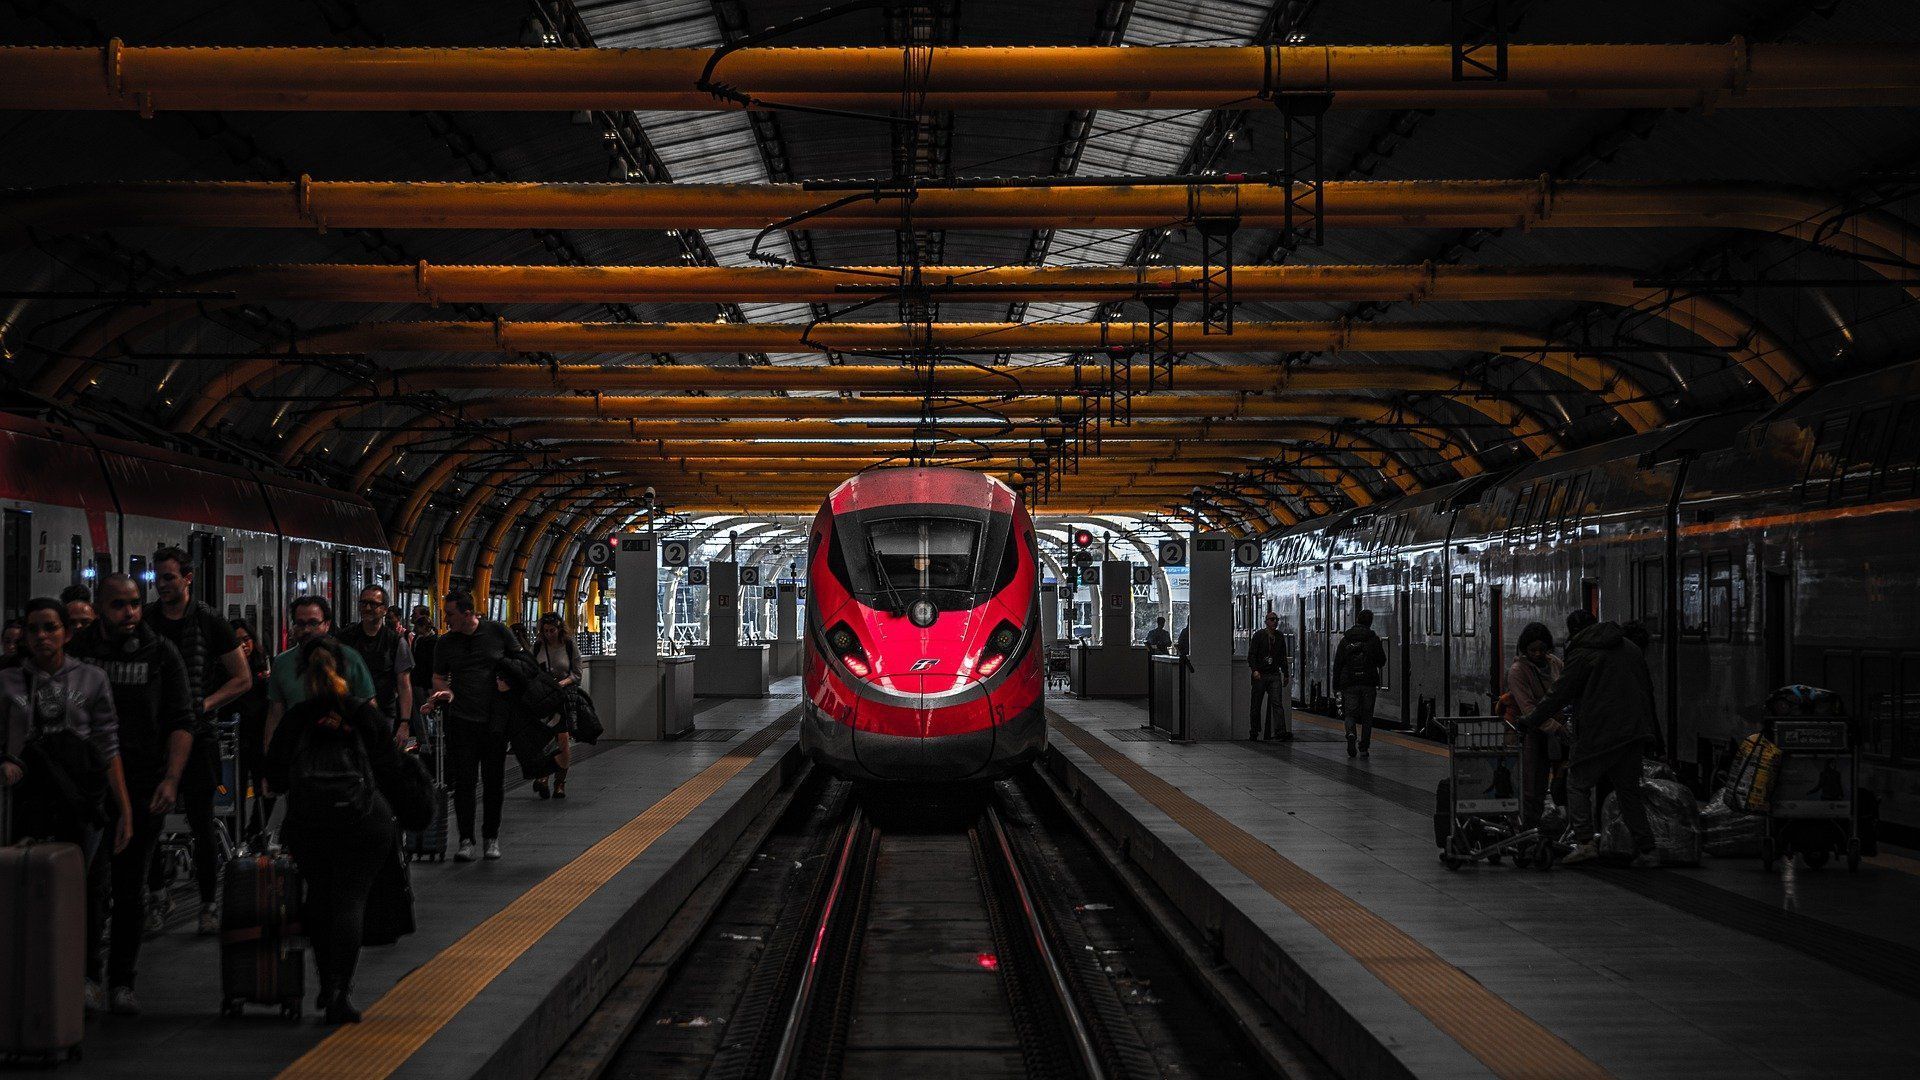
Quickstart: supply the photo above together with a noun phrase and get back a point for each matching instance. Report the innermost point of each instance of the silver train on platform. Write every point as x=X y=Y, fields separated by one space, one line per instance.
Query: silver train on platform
x=1759 y=549
x=78 y=505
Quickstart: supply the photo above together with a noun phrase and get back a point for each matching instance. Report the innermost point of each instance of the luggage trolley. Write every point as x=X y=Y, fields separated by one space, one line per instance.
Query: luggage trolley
x=1815 y=808
x=1483 y=796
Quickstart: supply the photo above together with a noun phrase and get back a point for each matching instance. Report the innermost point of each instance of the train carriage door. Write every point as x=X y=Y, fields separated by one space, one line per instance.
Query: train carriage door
x=1496 y=641
x=17 y=585
x=1773 y=620
x=1300 y=647
x=205 y=552
x=1590 y=597
x=1403 y=606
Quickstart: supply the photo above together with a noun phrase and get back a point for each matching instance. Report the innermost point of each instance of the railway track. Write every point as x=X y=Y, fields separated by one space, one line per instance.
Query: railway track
x=868 y=936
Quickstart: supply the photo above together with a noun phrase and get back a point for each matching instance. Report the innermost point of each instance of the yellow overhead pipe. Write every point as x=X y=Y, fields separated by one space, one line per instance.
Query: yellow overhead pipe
x=146 y=79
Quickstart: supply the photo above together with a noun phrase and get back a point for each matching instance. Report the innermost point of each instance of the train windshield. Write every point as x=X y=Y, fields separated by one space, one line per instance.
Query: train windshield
x=924 y=554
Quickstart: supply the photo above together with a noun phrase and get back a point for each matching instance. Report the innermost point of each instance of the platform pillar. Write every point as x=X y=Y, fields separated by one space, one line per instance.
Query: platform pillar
x=786 y=631
x=1210 y=636
x=1116 y=603
x=1049 y=614
x=723 y=603
x=635 y=693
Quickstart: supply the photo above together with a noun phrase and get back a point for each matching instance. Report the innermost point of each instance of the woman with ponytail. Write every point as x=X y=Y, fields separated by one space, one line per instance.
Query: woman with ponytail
x=326 y=756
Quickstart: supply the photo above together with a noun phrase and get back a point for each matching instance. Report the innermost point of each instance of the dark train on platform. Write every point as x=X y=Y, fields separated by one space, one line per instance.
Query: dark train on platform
x=922 y=644
x=1758 y=549
x=79 y=505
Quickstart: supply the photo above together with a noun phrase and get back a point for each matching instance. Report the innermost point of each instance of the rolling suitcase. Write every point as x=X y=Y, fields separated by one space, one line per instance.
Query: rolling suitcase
x=262 y=960
x=42 y=949
x=431 y=842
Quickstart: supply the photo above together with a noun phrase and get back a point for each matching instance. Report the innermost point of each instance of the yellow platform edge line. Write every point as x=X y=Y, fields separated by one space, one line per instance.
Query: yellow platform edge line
x=415 y=1009
x=1508 y=1042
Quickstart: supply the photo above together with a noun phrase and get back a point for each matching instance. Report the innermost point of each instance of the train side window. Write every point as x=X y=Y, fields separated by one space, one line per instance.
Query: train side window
x=1902 y=471
x=1557 y=501
x=1436 y=600
x=1823 y=464
x=1693 y=595
x=1522 y=507
x=1863 y=452
x=1720 y=597
x=1650 y=591
x=18 y=582
x=1577 y=499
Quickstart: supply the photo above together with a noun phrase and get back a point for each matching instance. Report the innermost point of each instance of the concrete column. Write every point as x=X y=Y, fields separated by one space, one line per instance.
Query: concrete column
x=635 y=693
x=1116 y=604
x=723 y=603
x=1210 y=636
x=786 y=640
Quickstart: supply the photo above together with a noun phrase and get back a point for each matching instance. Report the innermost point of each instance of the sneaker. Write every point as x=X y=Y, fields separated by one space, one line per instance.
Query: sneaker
x=1586 y=852
x=122 y=1001
x=96 y=997
x=465 y=852
x=1646 y=860
x=493 y=849
x=341 y=1011
x=157 y=907
x=209 y=919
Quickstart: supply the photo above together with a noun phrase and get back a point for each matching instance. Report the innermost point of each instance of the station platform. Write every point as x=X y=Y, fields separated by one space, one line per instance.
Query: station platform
x=509 y=956
x=1318 y=878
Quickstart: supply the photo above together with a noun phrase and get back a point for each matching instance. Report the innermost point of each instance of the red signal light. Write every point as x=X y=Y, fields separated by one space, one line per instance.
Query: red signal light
x=1083 y=538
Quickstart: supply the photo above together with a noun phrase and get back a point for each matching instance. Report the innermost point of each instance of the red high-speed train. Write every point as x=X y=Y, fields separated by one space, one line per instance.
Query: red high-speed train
x=923 y=655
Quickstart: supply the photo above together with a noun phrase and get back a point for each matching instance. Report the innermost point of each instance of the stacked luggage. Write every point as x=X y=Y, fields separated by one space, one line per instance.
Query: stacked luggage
x=262 y=953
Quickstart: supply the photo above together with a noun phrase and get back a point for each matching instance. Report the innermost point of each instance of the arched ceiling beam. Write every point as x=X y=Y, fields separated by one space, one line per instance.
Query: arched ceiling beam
x=1598 y=76
x=1710 y=318
x=1812 y=216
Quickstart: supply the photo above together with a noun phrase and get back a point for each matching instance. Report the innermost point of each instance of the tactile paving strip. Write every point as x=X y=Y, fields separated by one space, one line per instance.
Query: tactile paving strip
x=401 y=1022
x=1511 y=1044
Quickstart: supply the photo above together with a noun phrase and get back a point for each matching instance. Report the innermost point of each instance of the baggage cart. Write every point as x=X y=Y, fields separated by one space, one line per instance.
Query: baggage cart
x=1482 y=797
x=1814 y=811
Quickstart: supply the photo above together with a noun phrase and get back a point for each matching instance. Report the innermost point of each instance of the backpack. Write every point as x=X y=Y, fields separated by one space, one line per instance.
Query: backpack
x=1351 y=666
x=330 y=778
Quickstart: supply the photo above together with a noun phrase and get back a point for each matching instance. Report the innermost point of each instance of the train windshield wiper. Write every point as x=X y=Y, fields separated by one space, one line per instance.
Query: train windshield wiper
x=895 y=604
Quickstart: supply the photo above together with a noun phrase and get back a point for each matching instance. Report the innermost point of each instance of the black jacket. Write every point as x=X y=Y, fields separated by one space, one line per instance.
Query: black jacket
x=150 y=696
x=1358 y=660
x=1607 y=682
x=1266 y=657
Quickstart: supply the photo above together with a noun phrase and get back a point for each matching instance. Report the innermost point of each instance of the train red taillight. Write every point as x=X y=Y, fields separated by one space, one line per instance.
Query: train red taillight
x=846 y=646
x=999 y=644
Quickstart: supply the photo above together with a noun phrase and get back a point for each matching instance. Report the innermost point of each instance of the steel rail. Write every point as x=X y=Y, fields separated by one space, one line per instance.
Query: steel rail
x=1082 y=1038
x=785 y=1057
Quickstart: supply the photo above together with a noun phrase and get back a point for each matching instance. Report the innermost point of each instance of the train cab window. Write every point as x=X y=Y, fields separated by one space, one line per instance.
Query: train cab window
x=930 y=554
x=1720 y=597
x=1825 y=462
x=1693 y=595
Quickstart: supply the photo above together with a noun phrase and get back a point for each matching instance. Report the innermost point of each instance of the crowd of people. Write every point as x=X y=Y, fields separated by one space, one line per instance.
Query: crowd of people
x=113 y=709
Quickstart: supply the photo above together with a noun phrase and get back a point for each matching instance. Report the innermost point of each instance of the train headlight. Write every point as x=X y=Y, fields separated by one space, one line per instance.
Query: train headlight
x=999 y=646
x=846 y=645
x=922 y=612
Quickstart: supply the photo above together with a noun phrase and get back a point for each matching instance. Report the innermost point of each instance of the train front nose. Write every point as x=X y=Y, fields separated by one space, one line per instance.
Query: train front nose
x=934 y=727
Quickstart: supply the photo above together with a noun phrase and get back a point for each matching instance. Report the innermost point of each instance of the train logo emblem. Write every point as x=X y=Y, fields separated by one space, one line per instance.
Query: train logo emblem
x=924 y=663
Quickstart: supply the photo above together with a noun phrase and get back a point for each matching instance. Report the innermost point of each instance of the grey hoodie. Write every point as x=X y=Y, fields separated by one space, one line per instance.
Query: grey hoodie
x=76 y=697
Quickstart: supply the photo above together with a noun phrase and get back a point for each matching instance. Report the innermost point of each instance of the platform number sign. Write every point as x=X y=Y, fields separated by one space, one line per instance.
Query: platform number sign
x=600 y=554
x=673 y=553
x=1173 y=553
x=697 y=575
x=1142 y=575
x=749 y=575
x=1089 y=575
x=1246 y=553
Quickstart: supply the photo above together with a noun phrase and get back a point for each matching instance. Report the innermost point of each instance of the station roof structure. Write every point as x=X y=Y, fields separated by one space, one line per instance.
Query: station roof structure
x=501 y=265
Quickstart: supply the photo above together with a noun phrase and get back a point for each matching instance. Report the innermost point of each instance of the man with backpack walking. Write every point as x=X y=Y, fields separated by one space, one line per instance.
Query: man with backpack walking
x=1356 y=676
x=387 y=657
x=466 y=680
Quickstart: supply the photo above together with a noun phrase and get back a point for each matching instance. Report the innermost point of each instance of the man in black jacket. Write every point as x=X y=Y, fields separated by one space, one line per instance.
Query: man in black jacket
x=1356 y=677
x=387 y=657
x=150 y=695
x=466 y=680
x=1607 y=682
x=1267 y=660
